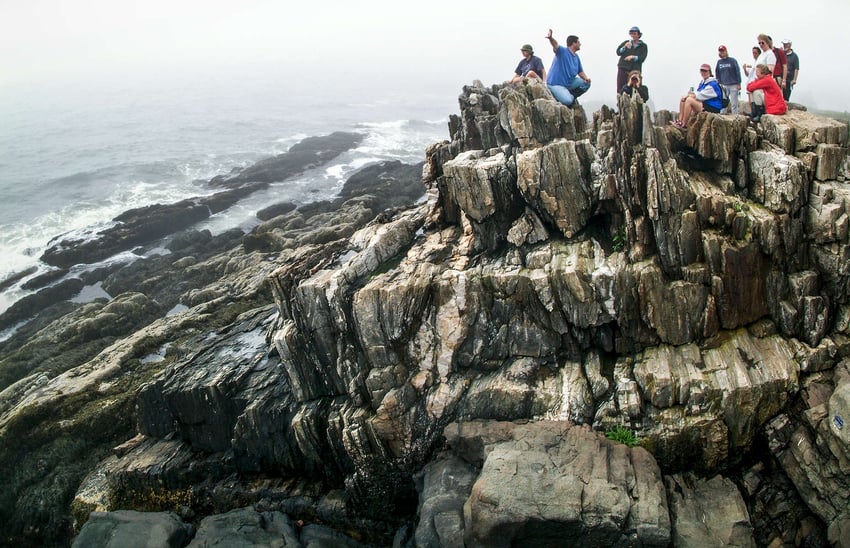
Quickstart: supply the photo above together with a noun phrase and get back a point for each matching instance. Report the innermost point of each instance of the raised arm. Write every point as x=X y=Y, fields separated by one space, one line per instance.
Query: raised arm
x=552 y=41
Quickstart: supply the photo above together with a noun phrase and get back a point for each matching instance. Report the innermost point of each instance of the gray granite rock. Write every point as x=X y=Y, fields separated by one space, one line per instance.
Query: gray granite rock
x=245 y=528
x=707 y=512
x=554 y=484
x=130 y=529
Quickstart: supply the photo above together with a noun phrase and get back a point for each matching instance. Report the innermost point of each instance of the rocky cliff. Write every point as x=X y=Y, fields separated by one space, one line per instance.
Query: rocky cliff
x=445 y=374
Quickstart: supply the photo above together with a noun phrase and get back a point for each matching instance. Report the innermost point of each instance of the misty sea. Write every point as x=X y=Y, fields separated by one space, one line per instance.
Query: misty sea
x=73 y=159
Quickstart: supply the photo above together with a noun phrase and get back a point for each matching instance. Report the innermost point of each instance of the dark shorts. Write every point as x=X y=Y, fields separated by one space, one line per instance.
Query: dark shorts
x=708 y=108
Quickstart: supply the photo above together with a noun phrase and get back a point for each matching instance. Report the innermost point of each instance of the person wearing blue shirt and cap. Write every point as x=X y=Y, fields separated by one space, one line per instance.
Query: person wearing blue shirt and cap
x=632 y=54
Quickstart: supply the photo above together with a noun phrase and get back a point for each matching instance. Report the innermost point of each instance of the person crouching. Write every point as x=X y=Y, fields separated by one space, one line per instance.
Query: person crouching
x=766 y=96
x=708 y=97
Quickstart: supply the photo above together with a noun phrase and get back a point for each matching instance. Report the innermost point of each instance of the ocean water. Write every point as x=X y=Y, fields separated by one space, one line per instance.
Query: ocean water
x=71 y=159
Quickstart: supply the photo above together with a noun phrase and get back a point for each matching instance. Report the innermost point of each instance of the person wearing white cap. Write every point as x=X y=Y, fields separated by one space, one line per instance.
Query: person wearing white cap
x=793 y=68
x=632 y=54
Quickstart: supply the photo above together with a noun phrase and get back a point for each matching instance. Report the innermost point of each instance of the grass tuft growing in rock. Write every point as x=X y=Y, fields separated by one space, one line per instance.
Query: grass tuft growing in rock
x=623 y=435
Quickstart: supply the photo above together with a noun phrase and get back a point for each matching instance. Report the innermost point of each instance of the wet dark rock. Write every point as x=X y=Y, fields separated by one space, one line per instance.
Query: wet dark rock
x=30 y=305
x=275 y=210
x=45 y=279
x=147 y=224
x=142 y=226
x=129 y=528
x=308 y=153
x=189 y=239
x=393 y=180
x=15 y=277
x=246 y=528
x=204 y=411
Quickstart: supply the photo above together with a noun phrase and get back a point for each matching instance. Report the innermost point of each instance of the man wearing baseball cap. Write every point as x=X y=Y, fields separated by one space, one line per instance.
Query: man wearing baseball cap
x=728 y=76
x=793 y=68
x=632 y=54
x=530 y=66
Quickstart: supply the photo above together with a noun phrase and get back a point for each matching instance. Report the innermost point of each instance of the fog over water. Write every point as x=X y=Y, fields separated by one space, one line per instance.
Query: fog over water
x=438 y=46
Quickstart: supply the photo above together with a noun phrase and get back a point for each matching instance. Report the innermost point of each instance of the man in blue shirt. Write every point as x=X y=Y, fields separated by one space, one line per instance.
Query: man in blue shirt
x=530 y=66
x=566 y=79
x=729 y=77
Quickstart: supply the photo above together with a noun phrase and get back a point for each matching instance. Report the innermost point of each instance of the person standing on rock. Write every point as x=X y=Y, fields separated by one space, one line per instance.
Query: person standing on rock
x=793 y=68
x=750 y=70
x=632 y=54
x=780 y=69
x=567 y=80
x=766 y=57
x=530 y=66
x=729 y=77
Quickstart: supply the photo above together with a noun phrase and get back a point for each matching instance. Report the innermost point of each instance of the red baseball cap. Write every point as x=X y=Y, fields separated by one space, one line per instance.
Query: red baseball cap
x=721 y=48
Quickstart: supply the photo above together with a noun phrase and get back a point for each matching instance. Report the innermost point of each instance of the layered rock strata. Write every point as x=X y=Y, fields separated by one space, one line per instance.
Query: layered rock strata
x=562 y=279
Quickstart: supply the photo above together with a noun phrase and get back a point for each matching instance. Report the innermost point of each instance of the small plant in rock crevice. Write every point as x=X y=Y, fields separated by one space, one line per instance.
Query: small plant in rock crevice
x=619 y=239
x=623 y=435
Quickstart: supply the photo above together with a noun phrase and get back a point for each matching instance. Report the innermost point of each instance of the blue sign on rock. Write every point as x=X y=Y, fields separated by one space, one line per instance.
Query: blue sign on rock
x=838 y=421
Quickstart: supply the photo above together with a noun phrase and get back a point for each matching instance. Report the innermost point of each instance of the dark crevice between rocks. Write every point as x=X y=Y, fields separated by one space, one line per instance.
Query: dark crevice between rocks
x=773 y=503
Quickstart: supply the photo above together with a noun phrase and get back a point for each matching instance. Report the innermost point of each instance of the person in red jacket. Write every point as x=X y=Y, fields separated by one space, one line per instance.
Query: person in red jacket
x=766 y=95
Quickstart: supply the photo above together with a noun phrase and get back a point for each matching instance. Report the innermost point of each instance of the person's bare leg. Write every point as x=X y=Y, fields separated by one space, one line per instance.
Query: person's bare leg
x=692 y=106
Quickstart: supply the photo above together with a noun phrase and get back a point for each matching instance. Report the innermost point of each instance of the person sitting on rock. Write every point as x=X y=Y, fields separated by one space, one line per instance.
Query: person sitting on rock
x=635 y=84
x=766 y=95
x=708 y=97
x=566 y=80
x=530 y=66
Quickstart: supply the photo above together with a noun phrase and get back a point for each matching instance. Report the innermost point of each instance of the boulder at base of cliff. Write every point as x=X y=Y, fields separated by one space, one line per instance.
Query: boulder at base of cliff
x=551 y=483
x=708 y=512
x=130 y=528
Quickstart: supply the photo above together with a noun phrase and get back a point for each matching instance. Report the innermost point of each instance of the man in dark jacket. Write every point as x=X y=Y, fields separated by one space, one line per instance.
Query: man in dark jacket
x=793 y=68
x=780 y=69
x=632 y=54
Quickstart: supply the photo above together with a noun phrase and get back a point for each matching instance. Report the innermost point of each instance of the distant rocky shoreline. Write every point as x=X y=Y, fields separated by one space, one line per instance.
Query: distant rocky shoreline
x=378 y=370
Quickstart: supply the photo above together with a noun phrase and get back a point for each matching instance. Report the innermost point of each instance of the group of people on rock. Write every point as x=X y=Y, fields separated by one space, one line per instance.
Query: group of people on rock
x=769 y=80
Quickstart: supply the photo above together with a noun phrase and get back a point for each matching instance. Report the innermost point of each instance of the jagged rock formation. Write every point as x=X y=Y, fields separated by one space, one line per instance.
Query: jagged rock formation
x=620 y=274
x=69 y=377
x=561 y=279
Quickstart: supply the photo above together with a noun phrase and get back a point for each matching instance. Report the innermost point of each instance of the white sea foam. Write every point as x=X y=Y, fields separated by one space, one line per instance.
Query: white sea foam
x=403 y=140
x=67 y=170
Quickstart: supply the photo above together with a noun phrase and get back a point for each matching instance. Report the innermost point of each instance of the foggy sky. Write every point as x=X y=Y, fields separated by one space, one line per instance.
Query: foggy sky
x=437 y=46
